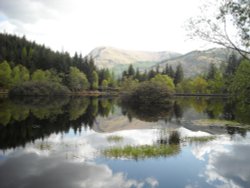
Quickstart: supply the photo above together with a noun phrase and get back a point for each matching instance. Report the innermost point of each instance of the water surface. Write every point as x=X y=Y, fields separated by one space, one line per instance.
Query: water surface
x=61 y=143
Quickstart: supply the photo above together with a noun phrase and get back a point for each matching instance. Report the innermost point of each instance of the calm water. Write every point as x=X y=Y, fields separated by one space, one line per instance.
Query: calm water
x=61 y=143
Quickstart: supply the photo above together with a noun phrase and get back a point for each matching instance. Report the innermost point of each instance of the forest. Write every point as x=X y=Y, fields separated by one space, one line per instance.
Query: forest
x=27 y=68
x=27 y=64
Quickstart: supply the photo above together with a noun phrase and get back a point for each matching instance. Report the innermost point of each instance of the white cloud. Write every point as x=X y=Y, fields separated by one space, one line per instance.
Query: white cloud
x=83 y=25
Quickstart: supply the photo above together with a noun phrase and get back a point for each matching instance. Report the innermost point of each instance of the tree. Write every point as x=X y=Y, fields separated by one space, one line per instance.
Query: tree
x=20 y=74
x=151 y=74
x=215 y=28
x=77 y=80
x=232 y=65
x=39 y=75
x=217 y=84
x=200 y=85
x=165 y=81
x=179 y=75
x=166 y=70
x=5 y=75
x=240 y=87
x=24 y=56
x=131 y=70
x=186 y=86
x=129 y=84
x=95 y=80
x=212 y=72
x=171 y=72
x=105 y=84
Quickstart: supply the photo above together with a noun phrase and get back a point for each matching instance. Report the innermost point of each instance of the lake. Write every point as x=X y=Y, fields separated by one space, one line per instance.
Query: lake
x=101 y=142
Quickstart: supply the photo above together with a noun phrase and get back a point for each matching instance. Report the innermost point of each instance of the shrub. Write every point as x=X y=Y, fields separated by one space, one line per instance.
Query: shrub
x=36 y=88
x=149 y=93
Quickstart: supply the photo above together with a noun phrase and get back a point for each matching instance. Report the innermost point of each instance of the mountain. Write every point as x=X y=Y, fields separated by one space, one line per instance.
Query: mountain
x=193 y=63
x=197 y=62
x=118 y=59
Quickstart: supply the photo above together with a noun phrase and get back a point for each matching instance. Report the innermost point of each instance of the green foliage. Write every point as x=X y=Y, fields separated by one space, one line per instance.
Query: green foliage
x=200 y=85
x=240 y=86
x=95 y=80
x=239 y=11
x=5 y=75
x=77 y=80
x=20 y=74
x=78 y=107
x=217 y=85
x=143 y=151
x=179 y=75
x=129 y=84
x=149 y=93
x=131 y=70
x=164 y=80
x=105 y=84
x=186 y=86
x=38 y=88
x=39 y=75
x=212 y=72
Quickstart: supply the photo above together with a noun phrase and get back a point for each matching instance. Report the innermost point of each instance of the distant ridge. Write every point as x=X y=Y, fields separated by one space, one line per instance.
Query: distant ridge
x=118 y=59
x=198 y=62
x=193 y=63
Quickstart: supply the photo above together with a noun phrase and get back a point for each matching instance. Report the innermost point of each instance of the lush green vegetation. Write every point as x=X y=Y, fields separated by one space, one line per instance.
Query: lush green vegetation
x=21 y=61
x=30 y=118
x=143 y=151
x=39 y=88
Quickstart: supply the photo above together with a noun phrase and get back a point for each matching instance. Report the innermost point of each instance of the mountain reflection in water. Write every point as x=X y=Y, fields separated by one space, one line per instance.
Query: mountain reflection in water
x=59 y=142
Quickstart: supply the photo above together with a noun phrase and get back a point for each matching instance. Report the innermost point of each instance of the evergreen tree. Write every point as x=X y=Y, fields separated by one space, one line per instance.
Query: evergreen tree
x=171 y=72
x=151 y=74
x=240 y=86
x=179 y=75
x=232 y=65
x=95 y=80
x=157 y=69
x=212 y=72
x=137 y=74
x=131 y=70
x=166 y=71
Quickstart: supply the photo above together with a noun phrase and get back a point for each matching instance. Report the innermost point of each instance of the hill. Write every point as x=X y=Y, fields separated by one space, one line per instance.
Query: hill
x=118 y=59
x=197 y=62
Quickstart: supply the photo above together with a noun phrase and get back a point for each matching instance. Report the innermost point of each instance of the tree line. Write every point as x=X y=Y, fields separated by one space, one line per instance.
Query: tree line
x=22 y=61
x=231 y=77
x=25 y=65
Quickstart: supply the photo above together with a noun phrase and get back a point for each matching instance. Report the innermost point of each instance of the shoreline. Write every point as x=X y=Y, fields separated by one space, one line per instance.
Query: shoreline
x=115 y=93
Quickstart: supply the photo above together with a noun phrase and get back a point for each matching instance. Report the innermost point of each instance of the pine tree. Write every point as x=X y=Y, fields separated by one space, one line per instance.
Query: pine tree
x=131 y=70
x=212 y=72
x=179 y=75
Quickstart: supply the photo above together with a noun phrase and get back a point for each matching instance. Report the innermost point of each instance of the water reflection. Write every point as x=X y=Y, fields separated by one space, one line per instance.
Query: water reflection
x=226 y=161
x=63 y=140
x=32 y=168
x=25 y=120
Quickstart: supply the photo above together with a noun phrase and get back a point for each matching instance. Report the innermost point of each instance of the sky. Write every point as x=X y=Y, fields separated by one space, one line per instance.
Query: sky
x=82 y=25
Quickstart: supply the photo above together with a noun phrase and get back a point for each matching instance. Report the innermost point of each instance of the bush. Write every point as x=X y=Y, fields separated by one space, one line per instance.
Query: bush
x=149 y=101
x=149 y=93
x=36 y=88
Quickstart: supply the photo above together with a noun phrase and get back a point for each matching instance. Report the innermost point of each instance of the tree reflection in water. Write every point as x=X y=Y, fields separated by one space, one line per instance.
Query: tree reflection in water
x=27 y=119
